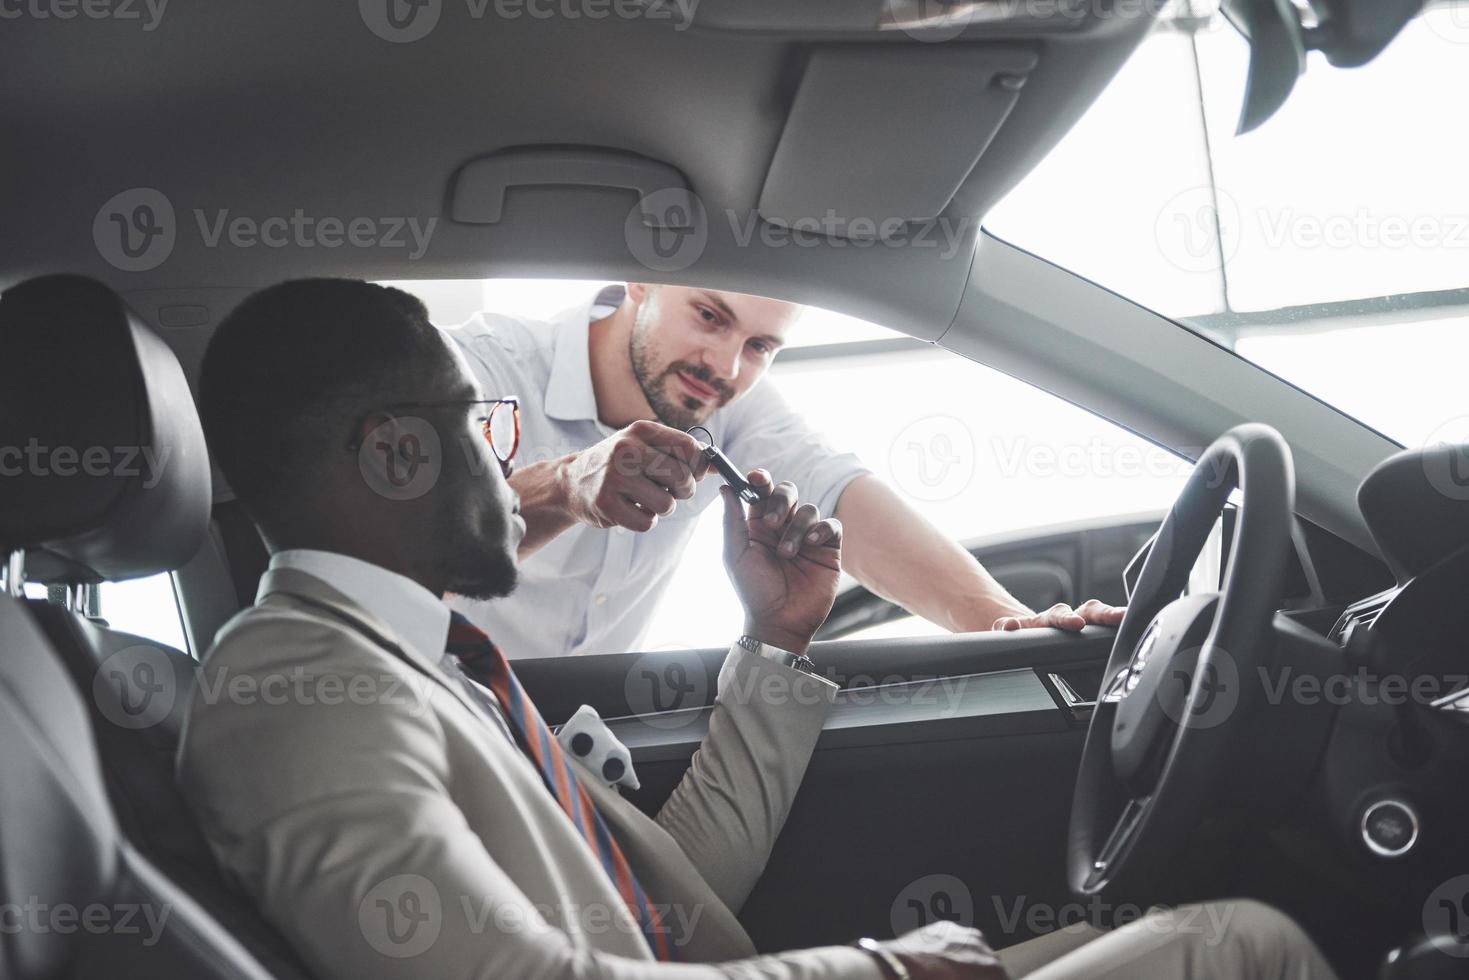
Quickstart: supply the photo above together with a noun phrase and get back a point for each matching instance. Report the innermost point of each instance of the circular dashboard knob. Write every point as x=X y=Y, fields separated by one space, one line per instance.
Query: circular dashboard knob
x=1389 y=828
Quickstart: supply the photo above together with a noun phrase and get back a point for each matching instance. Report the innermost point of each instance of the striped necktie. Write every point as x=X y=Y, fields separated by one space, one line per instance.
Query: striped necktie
x=484 y=662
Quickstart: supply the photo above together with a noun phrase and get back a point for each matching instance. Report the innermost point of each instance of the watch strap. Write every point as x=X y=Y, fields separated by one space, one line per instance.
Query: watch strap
x=785 y=658
x=891 y=965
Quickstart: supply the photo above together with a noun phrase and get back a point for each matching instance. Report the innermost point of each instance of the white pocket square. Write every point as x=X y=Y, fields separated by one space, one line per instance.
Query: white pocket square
x=587 y=739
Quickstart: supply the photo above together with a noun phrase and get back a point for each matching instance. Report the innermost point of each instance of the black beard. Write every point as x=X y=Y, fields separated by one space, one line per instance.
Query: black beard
x=494 y=580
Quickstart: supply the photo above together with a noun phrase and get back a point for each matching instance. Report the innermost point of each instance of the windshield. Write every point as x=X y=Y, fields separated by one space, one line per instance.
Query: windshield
x=1330 y=246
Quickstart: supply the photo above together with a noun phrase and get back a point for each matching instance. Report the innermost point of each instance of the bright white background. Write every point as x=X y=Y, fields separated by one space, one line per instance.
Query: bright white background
x=1194 y=221
x=977 y=452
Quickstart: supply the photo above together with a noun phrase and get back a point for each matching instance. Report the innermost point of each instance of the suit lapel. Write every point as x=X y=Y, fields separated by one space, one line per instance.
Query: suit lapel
x=305 y=587
x=703 y=926
x=706 y=929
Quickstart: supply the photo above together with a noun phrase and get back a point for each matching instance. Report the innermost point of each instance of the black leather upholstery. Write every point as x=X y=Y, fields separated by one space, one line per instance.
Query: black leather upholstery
x=105 y=471
x=1416 y=503
x=82 y=903
x=80 y=372
x=139 y=691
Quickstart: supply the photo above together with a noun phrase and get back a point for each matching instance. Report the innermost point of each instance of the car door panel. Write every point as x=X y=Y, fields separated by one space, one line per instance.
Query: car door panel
x=1040 y=567
x=939 y=787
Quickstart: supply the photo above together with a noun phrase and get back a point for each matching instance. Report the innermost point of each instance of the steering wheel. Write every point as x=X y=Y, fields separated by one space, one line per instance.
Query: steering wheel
x=1177 y=689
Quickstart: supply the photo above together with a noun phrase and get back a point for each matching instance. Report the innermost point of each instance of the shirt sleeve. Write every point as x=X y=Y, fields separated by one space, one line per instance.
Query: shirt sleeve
x=764 y=432
x=486 y=354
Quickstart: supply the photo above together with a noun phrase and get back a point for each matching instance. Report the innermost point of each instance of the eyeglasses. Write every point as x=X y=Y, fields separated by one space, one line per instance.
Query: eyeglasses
x=501 y=423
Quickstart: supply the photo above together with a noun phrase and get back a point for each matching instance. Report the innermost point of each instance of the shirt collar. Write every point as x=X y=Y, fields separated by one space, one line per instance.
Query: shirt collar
x=569 y=393
x=415 y=614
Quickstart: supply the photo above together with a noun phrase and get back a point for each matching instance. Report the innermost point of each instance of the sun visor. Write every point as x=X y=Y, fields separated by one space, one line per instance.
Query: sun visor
x=884 y=134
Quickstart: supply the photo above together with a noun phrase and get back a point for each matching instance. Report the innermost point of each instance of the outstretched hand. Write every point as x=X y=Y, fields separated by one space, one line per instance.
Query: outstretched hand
x=1093 y=612
x=784 y=560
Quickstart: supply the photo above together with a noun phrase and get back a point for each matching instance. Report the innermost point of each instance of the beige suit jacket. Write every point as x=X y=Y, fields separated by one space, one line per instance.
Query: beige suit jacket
x=388 y=828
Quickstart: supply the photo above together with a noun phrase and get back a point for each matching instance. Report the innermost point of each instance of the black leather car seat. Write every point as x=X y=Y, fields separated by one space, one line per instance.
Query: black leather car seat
x=79 y=374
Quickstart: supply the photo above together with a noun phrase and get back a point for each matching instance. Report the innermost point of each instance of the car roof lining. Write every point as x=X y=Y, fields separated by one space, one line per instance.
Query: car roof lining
x=241 y=110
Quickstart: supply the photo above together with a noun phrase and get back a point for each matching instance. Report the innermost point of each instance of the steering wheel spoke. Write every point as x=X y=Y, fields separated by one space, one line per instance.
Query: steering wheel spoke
x=1170 y=705
x=1118 y=840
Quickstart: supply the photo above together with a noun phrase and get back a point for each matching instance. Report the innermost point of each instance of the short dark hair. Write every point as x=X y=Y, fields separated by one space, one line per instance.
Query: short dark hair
x=286 y=370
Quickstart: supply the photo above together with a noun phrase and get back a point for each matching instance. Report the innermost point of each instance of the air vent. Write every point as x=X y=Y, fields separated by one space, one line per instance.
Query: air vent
x=1361 y=615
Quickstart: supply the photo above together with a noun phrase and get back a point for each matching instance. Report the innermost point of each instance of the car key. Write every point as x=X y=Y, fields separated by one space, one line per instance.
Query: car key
x=726 y=467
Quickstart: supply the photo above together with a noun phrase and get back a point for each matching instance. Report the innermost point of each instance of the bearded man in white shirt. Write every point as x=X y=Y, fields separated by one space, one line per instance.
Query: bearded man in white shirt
x=611 y=385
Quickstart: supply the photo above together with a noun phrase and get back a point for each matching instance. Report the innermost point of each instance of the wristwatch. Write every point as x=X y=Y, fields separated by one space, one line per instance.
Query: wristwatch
x=785 y=658
x=890 y=964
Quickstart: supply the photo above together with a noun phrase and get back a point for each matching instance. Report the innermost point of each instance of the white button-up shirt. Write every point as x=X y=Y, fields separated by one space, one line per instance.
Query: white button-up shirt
x=416 y=615
x=592 y=590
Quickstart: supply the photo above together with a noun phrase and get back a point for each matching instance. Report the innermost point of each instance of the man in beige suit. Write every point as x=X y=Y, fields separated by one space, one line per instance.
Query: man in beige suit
x=367 y=768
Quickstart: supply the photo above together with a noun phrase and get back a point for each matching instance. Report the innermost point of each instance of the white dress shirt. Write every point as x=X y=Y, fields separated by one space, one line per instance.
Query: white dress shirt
x=591 y=590
x=415 y=614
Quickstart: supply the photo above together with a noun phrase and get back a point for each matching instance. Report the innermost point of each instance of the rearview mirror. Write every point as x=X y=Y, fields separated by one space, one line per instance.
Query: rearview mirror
x=1280 y=32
